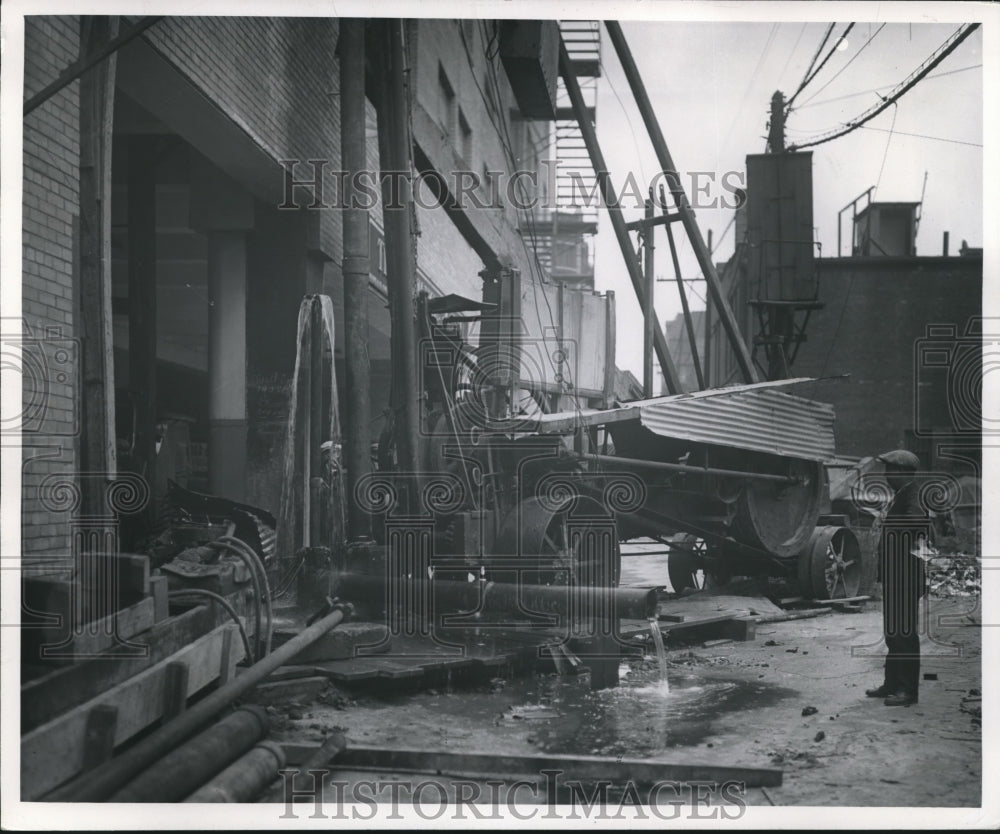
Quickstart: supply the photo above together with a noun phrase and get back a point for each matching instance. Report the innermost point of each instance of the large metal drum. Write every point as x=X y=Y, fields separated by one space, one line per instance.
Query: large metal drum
x=780 y=517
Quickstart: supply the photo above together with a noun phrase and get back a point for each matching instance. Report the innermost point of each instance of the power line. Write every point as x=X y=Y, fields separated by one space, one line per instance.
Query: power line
x=808 y=80
x=753 y=77
x=908 y=84
x=855 y=55
x=810 y=103
x=788 y=60
x=924 y=136
x=888 y=141
x=812 y=63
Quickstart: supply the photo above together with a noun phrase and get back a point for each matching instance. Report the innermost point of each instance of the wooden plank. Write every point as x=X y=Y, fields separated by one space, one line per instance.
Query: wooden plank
x=507 y=767
x=159 y=589
x=53 y=752
x=840 y=601
x=792 y=615
x=127 y=572
x=175 y=689
x=64 y=646
x=99 y=744
x=45 y=697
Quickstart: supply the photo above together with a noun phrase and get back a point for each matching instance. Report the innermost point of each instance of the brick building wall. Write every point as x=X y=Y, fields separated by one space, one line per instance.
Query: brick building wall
x=50 y=210
x=872 y=332
x=872 y=328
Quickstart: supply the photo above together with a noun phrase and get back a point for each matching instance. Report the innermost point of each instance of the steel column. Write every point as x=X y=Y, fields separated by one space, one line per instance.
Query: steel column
x=395 y=147
x=701 y=252
x=615 y=213
x=356 y=268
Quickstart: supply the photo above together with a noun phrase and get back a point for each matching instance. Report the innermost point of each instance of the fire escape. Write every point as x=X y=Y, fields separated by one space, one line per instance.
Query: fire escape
x=564 y=230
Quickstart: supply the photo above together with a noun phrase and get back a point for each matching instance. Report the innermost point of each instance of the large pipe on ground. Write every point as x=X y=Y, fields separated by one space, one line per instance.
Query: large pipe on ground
x=244 y=779
x=357 y=367
x=182 y=770
x=105 y=779
x=491 y=598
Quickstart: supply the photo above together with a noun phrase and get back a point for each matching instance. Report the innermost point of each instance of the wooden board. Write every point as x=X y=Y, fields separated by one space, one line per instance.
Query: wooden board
x=63 y=646
x=54 y=752
x=44 y=698
x=508 y=767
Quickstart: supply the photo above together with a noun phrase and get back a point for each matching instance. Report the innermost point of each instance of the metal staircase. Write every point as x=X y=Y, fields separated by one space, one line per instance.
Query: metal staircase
x=562 y=231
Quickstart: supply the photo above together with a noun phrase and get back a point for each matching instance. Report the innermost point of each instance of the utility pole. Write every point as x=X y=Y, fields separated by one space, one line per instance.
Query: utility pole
x=776 y=134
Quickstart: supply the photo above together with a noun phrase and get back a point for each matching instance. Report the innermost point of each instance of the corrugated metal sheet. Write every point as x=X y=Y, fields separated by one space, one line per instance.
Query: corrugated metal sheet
x=757 y=419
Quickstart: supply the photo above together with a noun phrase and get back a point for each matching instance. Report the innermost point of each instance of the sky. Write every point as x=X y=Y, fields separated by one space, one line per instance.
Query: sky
x=711 y=83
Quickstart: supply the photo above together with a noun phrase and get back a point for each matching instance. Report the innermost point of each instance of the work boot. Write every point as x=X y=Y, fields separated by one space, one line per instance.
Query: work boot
x=878 y=692
x=900 y=699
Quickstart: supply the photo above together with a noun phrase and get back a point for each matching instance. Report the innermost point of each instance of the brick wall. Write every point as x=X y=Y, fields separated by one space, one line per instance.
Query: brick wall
x=50 y=205
x=876 y=317
x=277 y=78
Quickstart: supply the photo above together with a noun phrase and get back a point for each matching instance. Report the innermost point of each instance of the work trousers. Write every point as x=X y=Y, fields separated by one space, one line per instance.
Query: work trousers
x=903 y=586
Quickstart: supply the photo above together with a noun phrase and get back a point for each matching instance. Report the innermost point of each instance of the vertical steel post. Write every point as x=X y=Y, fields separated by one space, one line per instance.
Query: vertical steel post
x=726 y=316
x=648 y=247
x=688 y=323
x=615 y=213
x=395 y=151
x=357 y=365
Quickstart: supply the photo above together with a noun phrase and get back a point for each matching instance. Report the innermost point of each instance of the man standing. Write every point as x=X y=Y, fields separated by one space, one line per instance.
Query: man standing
x=904 y=532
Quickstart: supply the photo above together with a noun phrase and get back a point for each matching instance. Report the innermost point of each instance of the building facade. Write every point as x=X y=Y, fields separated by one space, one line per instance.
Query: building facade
x=223 y=136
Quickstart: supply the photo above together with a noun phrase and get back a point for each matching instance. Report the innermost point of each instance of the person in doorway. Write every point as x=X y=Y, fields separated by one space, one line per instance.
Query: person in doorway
x=904 y=534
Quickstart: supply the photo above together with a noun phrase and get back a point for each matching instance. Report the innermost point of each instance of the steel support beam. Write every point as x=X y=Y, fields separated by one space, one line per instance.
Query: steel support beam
x=725 y=313
x=357 y=363
x=615 y=213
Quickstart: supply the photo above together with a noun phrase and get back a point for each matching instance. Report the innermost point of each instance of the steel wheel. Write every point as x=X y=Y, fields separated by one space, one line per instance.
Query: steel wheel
x=561 y=545
x=831 y=567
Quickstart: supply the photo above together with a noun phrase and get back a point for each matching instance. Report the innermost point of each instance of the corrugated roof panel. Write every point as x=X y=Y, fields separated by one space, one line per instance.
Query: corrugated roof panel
x=759 y=420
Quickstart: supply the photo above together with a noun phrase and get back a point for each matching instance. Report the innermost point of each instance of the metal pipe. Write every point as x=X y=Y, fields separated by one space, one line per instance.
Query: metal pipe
x=258 y=590
x=314 y=453
x=245 y=778
x=227 y=606
x=356 y=268
x=395 y=154
x=688 y=323
x=99 y=783
x=648 y=249
x=615 y=212
x=489 y=598
x=701 y=252
x=182 y=770
x=696 y=470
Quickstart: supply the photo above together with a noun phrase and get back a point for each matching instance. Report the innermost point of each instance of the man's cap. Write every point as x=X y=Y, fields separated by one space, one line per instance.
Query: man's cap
x=901 y=458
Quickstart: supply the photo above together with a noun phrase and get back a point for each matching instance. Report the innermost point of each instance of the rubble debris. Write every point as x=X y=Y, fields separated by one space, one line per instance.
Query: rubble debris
x=958 y=575
x=810 y=710
x=819 y=736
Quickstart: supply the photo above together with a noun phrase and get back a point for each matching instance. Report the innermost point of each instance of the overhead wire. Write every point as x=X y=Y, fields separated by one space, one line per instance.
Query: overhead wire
x=901 y=89
x=851 y=61
x=924 y=136
x=810 y=103
x=812 y=63
x=808 y=80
